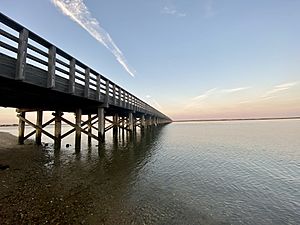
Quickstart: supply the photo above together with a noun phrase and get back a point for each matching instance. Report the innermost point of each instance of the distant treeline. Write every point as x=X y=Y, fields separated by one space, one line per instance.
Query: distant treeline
x=9 y=125
x=214 y=120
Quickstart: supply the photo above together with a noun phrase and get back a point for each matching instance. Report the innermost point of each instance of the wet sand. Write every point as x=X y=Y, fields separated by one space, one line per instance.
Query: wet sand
x=32 y=191
x=42 y=186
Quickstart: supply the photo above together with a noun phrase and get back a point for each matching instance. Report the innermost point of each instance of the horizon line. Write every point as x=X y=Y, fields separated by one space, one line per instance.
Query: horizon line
x=237 y=119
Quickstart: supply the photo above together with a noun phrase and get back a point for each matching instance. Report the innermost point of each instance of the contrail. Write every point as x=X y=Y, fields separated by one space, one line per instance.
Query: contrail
x=77 y=11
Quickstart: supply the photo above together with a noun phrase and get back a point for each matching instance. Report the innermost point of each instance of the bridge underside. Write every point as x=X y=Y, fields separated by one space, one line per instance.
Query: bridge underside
x=18 y=94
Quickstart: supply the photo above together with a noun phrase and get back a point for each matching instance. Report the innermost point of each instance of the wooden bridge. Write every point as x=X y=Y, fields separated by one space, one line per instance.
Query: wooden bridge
x=35 y=75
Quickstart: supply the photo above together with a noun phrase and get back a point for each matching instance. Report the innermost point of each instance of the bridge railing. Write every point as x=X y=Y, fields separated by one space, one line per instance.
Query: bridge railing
x=30 y=49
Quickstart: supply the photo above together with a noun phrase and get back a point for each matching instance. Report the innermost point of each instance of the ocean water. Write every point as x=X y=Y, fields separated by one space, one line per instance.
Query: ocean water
x=240 y=172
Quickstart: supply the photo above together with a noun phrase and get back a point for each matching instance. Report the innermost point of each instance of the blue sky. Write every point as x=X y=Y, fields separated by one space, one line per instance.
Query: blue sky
x=188 y=58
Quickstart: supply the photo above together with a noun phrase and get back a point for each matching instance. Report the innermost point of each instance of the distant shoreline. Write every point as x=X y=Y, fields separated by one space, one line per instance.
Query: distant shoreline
x=235 y=119
x=8 y=125
x=207 y=120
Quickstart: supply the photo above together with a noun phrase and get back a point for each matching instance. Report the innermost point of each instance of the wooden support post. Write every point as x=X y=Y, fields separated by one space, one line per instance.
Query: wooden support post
x=78 y=114
x=101 y=124
x=123 y=125
x=134 y=123
x=155 y=121
x=130 y=122
x=57 y=129
x=119 y=123
x=143 y=122
x=21 y=128
x=115 y=123
x=87 y=83
x=89 y=129
x=149 y=121
x=39 y=123
x=51 y=67
x=22 y=54
x=72 y=76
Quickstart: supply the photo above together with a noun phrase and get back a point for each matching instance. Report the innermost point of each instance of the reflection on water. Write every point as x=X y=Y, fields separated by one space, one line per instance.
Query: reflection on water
x=184 y=173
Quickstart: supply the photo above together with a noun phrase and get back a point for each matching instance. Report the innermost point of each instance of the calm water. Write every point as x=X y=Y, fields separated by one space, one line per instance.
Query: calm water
x=190 y=173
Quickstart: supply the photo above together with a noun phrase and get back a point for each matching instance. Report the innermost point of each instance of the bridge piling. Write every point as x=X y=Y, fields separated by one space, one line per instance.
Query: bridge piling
x=115 y=125
x=143 y=122
x=39 y=124
x=101 y=124
x=89 y=129
x=130 y=122
x=78 y=115
x=21 y=128
x=57 y=129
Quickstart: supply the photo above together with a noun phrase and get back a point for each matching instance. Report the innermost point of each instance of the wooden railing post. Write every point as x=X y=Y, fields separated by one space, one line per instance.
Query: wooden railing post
x=98 y=89
x=124 y=97
x=72 y=76
x=120 y=101
x=22 y=53
x=127 y=100
x=134 y=104
x=51 y=67
x=87 y=83
x=114 y=94
x=107 y=92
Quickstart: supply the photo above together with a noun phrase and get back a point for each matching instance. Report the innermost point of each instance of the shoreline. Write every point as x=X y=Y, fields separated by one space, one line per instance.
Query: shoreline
x=238 y=119
x=205 y=120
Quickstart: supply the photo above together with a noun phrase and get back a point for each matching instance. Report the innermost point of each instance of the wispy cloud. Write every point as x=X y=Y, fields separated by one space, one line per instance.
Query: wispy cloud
x=235 y=89
x=172 y=11
x=205 y=94
x=286 y=85
x=78 y=12
x=278 y=88
x=213 y=96
x=219 y=91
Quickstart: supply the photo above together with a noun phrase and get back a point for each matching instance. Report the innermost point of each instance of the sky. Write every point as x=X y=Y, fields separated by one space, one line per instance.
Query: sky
x=190 y=59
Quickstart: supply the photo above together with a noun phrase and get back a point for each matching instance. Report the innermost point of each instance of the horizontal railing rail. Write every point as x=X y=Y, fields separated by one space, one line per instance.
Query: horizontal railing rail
x=28 y=48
